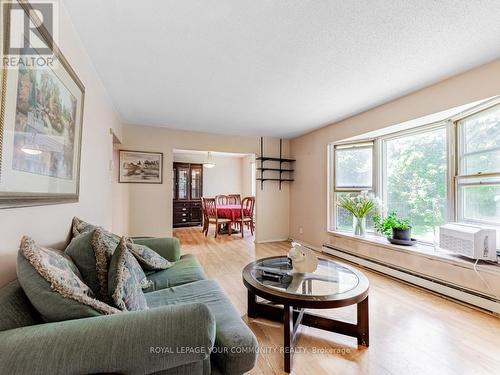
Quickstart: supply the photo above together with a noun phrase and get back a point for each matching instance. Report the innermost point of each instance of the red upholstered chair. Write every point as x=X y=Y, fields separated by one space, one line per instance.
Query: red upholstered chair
x=210 y=205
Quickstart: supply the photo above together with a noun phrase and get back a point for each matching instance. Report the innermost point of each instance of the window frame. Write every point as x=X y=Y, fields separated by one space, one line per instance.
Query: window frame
x=454 y=212
x=332 y=164
x=461 y=177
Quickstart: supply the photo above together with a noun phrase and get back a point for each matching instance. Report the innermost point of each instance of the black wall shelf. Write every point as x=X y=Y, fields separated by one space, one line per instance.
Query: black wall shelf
x=281 y=170
x=282 y=160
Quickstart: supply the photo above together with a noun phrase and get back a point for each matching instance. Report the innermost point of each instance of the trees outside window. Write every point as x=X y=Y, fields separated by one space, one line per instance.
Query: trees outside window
x=415 y=180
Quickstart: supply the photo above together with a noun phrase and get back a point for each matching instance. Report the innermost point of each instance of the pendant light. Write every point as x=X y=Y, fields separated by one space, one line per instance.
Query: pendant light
x=209 y=163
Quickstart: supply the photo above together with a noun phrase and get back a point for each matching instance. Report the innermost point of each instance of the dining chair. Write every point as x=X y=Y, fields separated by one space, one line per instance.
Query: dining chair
x=212 y=217
x=234 y=199
x=204 y=216
x=222 y=199
x=247 y=212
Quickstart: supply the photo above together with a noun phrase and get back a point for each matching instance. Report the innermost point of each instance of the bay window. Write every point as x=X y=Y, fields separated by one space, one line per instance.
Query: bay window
x=430 y=174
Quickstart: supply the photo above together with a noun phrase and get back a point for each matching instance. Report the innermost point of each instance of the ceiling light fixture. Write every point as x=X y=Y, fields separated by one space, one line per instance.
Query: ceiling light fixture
x=209 y=163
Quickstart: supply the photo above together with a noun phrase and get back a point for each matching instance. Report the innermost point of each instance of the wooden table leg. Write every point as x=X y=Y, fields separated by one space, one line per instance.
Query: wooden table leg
x=251 y=305
x=363 y=323
x=288 y=337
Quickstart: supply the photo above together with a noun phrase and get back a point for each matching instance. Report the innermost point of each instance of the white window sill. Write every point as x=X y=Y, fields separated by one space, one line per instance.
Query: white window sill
x=420 y=249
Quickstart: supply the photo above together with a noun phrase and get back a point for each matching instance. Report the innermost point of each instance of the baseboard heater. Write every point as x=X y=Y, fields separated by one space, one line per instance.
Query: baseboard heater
x=437 y=286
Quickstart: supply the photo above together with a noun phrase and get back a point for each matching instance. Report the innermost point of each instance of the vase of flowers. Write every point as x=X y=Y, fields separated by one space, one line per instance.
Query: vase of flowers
x=359 y=206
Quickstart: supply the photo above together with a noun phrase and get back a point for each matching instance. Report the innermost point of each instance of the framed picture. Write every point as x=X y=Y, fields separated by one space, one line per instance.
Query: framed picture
x=141 y=167
x=40 y=127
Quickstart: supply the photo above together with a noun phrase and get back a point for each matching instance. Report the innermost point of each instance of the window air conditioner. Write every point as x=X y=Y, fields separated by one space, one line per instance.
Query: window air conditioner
x=468 y=240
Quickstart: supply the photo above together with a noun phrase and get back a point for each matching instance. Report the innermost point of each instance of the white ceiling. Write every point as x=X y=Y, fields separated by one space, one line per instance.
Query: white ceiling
x=277 y=68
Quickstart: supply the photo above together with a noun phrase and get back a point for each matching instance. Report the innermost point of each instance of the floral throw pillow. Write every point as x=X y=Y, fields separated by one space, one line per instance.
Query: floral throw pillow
x=126 y=279
x=149 y=259
x=79 y=226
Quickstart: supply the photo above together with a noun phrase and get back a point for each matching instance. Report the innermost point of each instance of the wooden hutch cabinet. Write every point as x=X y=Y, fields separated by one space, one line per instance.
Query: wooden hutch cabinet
x=188 y=190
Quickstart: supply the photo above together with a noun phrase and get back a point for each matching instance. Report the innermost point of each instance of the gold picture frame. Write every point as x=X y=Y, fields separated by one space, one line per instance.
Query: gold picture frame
x=51 y=175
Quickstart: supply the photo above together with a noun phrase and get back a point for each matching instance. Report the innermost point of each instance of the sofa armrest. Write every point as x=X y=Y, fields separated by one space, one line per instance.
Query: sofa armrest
x=167 y=247
x=136 y=342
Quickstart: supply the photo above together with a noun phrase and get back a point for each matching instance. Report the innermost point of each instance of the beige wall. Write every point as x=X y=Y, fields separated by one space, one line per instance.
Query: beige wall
x=50 y=225
x=150 y=206
x=120 y=199
x=309 y=191
x=246 y=176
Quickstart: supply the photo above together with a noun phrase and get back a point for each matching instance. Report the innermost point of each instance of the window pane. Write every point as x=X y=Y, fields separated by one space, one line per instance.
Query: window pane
x=354 y=167
x=481 y=203
x=483 y=162
x=344 y=219
x=480 y=142
x=416 y=174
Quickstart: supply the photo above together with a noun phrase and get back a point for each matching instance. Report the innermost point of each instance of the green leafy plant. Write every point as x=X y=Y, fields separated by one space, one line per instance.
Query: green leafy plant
x=385 y=225
x=359 y=205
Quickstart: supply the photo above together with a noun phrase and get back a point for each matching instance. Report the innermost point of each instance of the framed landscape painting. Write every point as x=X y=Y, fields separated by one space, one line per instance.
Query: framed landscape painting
x=40 y=130
x=141 y=167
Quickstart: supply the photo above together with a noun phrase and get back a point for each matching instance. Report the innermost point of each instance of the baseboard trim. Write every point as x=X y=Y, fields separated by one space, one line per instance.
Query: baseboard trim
x=436 y=286
x=273 y=240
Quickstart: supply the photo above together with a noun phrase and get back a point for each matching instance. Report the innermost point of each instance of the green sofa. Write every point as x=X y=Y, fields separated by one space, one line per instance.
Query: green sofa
x=191 y=327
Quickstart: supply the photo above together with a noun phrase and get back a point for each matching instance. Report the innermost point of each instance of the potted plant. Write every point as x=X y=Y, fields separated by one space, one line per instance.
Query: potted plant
x=399 y=228
x=359 y=206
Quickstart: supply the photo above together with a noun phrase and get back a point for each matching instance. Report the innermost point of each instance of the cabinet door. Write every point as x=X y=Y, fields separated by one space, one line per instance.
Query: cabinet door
x=196 y=212
x=174 y=182
x=183 y=181
x=196 y=181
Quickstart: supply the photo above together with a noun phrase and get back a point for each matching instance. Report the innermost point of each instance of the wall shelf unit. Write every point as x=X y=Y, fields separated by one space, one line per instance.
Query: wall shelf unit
x=286 y=168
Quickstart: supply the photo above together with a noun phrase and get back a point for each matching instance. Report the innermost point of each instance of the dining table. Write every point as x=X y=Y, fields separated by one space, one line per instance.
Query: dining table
x=230 y=211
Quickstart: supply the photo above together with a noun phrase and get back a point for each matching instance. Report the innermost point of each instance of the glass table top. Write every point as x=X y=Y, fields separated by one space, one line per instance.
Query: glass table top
x=329 y=278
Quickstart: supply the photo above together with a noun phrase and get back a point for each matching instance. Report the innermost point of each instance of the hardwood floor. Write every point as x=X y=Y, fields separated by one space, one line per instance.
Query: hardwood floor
x=411 y=331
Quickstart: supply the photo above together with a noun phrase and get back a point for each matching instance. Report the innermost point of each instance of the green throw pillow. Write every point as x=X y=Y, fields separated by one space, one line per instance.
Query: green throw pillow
x=126 y=279
x=91 y=251
x=54 y=286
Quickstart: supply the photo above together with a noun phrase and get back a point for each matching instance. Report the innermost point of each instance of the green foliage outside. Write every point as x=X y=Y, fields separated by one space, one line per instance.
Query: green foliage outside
x=417 y=180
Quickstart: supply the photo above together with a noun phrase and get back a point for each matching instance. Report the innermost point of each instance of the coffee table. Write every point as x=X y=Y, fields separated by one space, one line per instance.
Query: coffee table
x=331 y=286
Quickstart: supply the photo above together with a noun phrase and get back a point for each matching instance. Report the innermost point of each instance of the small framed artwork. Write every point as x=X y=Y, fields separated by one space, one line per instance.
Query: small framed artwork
x=41 y=115
x=141 y=167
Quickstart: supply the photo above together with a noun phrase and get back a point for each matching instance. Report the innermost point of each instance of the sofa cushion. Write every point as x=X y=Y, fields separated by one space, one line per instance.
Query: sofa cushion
x=15 y=308
x=126 y=279
x=231 y=331
x=186 y=270
x=148 y=259
x=54 y=285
